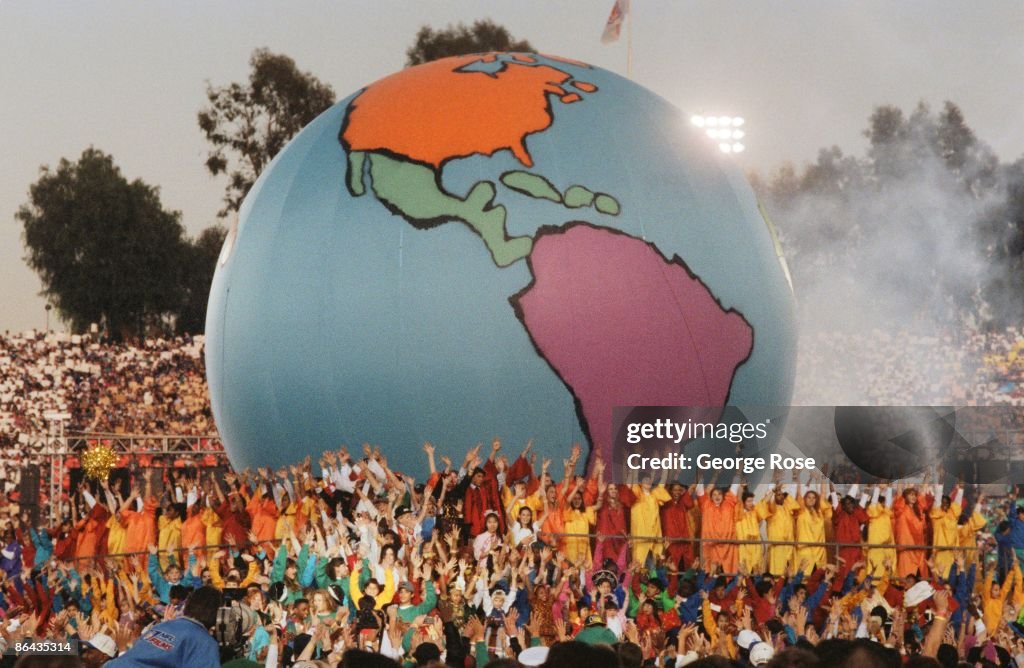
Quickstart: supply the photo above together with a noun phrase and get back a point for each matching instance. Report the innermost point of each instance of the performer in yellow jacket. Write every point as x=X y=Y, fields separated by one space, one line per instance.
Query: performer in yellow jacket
x=811 y=518
x=880 y=532
x=168 y=534
x=945 y=532
x=993 y=598
x=748 y=527
x=778 y=509
x=578 y=518
x=967 y=533
x=645 y=518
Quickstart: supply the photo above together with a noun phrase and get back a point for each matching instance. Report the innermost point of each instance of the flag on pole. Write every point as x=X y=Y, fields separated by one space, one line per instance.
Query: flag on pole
x=613 y=28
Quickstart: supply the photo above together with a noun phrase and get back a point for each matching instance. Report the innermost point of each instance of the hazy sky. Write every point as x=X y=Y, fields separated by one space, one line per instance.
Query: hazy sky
x=128 y=77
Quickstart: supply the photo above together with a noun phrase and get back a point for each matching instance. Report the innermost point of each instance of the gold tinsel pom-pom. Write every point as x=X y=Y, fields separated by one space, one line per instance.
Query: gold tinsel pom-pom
x=98 y=461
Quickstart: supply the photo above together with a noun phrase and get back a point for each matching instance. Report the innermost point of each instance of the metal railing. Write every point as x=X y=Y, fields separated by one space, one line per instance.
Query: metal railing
x=146 y=443
x=664 y=541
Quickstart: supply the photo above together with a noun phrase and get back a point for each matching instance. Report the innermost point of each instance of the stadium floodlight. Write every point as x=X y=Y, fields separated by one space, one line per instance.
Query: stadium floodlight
x=724 y=130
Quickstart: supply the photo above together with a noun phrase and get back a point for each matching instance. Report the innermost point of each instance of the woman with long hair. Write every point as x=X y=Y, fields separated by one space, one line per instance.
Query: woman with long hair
x=910 y=513
x=814 y=512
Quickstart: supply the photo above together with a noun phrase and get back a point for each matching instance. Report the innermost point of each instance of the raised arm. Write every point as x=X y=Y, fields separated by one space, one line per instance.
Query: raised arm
x=428 y=448
x=133 y=493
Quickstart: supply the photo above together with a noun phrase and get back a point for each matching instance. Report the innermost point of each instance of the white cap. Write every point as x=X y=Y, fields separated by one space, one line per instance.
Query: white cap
x=686 y=659
x=920 y=592
x=533 y=656
x=761 y=653
x=746 y=638
x=103 y=643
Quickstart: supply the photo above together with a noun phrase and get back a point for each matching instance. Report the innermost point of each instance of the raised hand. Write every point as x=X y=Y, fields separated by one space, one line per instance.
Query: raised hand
x=473 y=629
x=632 y=633
x=560 y=629
x=801 y=619
x=510 y=621
x=534 y=625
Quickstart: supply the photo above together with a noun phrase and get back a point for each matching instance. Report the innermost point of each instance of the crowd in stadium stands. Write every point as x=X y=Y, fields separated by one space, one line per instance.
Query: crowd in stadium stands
x=905 y=369
x=155 y=388
x=159 y=387
x=488 y=562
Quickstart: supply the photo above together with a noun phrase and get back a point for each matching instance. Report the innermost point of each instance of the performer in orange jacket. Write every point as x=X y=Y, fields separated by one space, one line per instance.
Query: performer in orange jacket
x=910 y=512
x=718 y=520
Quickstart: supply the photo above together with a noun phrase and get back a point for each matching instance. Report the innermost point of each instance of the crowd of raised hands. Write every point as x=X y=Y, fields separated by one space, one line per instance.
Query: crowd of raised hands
x=354 y=563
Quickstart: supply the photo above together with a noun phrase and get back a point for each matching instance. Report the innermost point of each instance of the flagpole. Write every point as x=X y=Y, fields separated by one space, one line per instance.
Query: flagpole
x=629 y=42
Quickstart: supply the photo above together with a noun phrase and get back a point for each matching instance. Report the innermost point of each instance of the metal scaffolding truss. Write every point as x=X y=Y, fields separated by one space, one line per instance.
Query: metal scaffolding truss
x=53 y=449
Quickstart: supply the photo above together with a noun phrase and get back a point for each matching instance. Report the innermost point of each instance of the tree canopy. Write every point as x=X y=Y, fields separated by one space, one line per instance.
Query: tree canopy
x=460 y=39
x=247 y=124
x=202 y=262
x=927 y=222
x=106 y=250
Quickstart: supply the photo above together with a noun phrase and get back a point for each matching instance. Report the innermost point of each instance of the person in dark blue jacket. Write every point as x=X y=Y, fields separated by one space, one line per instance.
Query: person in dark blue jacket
x=185 y=641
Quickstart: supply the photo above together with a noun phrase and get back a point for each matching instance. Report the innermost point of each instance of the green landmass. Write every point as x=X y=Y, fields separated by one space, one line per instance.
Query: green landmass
x=577 y=197
x=356 y=159
x=606 y=204
x=532 y=185
x=412 y=191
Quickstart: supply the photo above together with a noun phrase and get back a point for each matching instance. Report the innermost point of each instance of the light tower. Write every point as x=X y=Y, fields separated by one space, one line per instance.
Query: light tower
x=727 y=131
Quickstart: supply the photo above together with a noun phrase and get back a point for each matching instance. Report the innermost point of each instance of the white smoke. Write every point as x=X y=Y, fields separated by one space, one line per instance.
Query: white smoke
x=891 y=270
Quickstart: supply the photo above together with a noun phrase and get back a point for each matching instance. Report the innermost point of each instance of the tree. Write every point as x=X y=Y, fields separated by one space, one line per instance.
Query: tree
x=200 y=263
x=926 y=222
x=954 y=137
x=105 y=248
x=248 y=124
x=460 y=40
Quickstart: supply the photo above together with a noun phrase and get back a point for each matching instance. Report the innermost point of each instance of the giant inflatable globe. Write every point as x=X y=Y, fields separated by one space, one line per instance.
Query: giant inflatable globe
x=491 y=245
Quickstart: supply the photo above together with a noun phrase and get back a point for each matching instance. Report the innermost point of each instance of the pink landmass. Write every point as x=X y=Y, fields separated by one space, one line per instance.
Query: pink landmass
x=622 y=326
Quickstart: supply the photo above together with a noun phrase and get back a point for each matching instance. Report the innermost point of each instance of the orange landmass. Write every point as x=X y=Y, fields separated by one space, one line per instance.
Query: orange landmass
x=585 y=86
x=432 y=112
